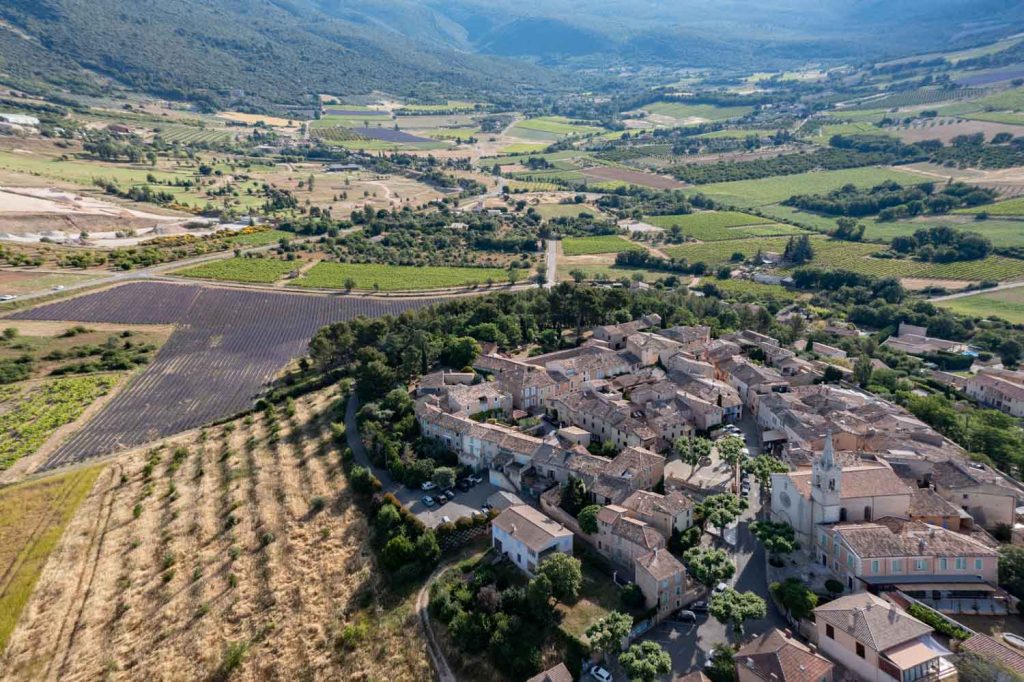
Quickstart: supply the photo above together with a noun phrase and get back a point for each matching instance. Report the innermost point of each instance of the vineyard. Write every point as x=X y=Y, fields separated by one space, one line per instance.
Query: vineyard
x=238 y=269
x=917 y=97
x=28 y=416
x=193 y=135
x=335 y=134
x=763 y=191
x=395 y=277
x=710 y=226
x=586 y=246
x=228 y=344
x=235 y=553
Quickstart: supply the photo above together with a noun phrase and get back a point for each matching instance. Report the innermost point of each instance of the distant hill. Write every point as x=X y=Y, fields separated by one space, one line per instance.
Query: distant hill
x=280 y=51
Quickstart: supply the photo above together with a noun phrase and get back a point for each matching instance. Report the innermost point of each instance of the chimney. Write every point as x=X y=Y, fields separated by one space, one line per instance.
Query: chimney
x=512 y=531
x=852 y=618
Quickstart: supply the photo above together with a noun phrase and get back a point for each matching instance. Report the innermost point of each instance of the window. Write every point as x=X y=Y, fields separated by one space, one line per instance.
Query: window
x=874 y=567
x=961 y=563
x=849 y=561
x=943 y=564
x=920 y=565
x=897 y=565
x=860 y=649
x=830 y=632
x=978 y=564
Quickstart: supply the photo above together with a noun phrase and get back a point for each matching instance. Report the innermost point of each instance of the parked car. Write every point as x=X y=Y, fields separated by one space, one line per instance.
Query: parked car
x=441 y=498
x=475 y=479
x=721 y=587
x=600 y=674
x=59 y=287
x=428 y=501
x=450 y=494
x=8 y=297
x=464 y=485
x=699 y=607
x=745 y=491
x=427 y=485
x=446 y=519
x=685 y=616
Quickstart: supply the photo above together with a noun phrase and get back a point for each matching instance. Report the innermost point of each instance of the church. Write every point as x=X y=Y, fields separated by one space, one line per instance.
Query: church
x=838 y=488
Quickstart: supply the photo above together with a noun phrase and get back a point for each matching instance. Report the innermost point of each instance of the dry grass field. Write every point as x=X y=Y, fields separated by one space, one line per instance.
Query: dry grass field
x=227 y=553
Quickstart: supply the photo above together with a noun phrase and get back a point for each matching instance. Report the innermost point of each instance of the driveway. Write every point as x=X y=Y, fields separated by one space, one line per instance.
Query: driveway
x=464 y=504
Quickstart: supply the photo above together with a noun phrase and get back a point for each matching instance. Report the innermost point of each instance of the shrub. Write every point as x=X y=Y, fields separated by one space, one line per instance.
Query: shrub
x=933 y=618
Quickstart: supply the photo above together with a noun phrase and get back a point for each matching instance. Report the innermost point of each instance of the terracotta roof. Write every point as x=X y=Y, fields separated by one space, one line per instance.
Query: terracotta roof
x=774 y=656
x=927 y=502
x=531 y=527
x=994 y=650
x=871 y=620
x=557 y=674
x=695 y=676
x=644 y=502
x=861 y=480
x=660 y=564
x=893 y=537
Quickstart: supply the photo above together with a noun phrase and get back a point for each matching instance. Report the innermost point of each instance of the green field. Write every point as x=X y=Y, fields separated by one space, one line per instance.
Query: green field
x=811 y=221
x=1010 y=207
x=398 y=277
x=611 y=272
x=549 y=211
x=745 y=287
x=763 y=191
x=556 y=125
x=586 y=246
x=1002 y=233
x=261 y=238
x=1007 y=304
x=709 y=112
x=825 y=133
x=33 y=516
x=735 y=134
x=252 y=270
x=1013 y=119
x=523 y=148
x=712 y=226
x=856 y=257
x=30 y=415
x=195 y=135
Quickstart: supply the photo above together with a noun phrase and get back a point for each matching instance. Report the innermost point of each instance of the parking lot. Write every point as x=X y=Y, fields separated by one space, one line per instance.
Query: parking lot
x=464 y=504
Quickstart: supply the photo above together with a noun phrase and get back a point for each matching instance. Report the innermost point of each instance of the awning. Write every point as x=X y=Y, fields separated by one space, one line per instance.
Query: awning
x=952 y=587
x=916 y=652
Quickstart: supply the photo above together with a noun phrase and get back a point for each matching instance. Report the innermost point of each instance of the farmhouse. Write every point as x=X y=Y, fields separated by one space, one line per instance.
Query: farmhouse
x=999 y=389
x=526 y=536
x=915 y=341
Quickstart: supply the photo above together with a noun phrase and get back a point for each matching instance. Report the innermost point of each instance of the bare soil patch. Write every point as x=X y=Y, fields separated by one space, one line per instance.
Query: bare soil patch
x=633 y=177
x=946 y=129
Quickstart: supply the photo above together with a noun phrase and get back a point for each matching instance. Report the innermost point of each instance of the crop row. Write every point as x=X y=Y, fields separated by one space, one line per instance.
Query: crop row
x=190 y=134
x=395 y=277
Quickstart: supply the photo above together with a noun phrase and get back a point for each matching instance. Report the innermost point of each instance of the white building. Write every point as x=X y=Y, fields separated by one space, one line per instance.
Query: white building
x=527 y=537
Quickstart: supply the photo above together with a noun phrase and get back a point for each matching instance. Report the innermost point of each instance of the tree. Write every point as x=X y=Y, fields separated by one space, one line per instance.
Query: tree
x=646 y=661
x=723 y=664
x=833 y=587
x=443 y=477
x=1011 y=569
x=606 y=635
x=720 y=510
x=460 y=352
x=566 y=575
x=574 y=497
x=794 y=595
x=513 y=275
x=538 y=599
x=588 y=518
x=730 y=449
x=578 y=275
x=693 y=450
x=709 y=566
x=777 y=538
x=798 y=250
x=862 y=371
x=762 y=467
x=733 y=608
x=1010 y=351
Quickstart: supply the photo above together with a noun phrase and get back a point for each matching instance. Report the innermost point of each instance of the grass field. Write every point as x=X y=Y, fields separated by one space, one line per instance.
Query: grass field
x=712 y=226
x=855 y=257
x=744 y=287
x=523 y=148
x=586 y=246
x=30 y=415
x=1010 y=207
x=557 y=125
x=681 y=111
x=1007 y=304
x=550 y=211
x=825 y=133
x=811 y=221
x=1002 y=233
x=262 y=238
x=1009 y=118
x=611 y=272
x=32 y=519
x=19 y=282
x=194 y=135
x=397 y=277
x=734 y=134
x=253 y=270
x=763 y=191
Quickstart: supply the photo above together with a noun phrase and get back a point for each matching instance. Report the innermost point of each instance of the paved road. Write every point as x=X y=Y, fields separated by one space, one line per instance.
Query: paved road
x=964 y=294
x=552 y=264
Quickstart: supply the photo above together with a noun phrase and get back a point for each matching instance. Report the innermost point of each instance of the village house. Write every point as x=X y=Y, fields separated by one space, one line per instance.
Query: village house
x=878 y=642
x=615 y=334
x=527 y=536
x=669 y=513
x=557 y=674
x=915 y=341
x=952 y=571
x=624 y=539
x=478 y=399
x=988 y=496
x=776 y=656
x=998 y=389
x=662 y=580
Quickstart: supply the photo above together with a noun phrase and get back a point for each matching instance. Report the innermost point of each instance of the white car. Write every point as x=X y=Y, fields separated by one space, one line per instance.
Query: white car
x=59 y=287
x=721 y=587
x=8 y=297
x=427 y=485
x=600 y=674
